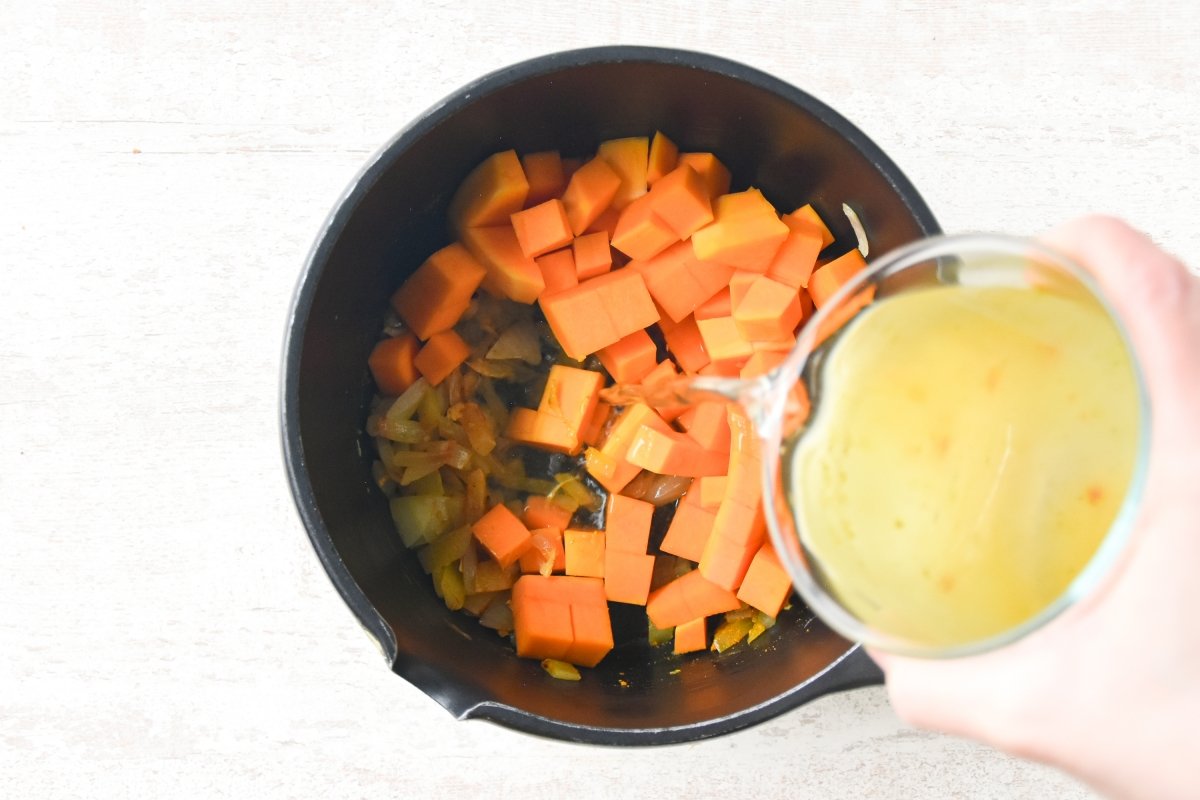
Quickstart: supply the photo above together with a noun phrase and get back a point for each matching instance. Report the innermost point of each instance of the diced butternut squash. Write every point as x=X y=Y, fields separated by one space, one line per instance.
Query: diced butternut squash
x=591 y=628
x=827 y=279
x=502 y=533
x=725 y=561
x=844 y=313
x=678 y=282
x=558 y=270
x=686 y=344
x=567 y=405
x=589 y=193
x=767 y=311
x=711 y=277
x=606 y=223
x=739 y=527
x=541 y=512
x=739 y=284
x=641 y=233
x=663 y=155
x=711 y=492
x=551 y=432
x=744 y=486
x=441 y=355
x=762 y=362
x=680 y=199
x=593 y=432
x=808 y=306
x=707 y=423
x=579 y=324
x=604 y=468
x=806 y=218
x=723 y=342
x=669 y=281
x=688 y=532
x=542 y=228
x=686 y=598
x=667 y=606
x=627 y=524
x=719 y=305
x=510 y=273
x=577 y=316
x=629 y=158
x=673 y=453
x=691 y=636
x=522 y=425
x=766 y=585
x=627 y=576
x=391 y=363
x=783 y=346
x=562 y=589
x=745 y=232
x=492 y=192
x=630 y=359
x=715 y=174
x=608 y=465
x=435 y=296
x=662 y=375
x=592 y=255
x=584 y=553
x=722 y=370
x=794 y=260
x=542 y=628
x=561 y=617
x=544 y=173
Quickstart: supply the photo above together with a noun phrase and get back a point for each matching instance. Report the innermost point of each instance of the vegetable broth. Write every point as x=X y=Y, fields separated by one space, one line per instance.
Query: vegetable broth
x=954 y=492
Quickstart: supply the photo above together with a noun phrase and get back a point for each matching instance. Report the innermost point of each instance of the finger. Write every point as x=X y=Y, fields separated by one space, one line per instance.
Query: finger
x=990 y=697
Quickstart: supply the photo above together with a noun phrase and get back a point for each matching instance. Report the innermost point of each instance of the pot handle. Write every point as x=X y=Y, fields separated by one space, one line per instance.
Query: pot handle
x=853 y=671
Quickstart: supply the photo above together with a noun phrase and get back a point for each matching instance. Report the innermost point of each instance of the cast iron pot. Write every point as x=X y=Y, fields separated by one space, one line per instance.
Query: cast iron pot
x=770 y=135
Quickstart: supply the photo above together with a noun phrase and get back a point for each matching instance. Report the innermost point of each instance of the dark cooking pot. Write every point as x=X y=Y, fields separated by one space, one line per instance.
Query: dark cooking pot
x=770 y=135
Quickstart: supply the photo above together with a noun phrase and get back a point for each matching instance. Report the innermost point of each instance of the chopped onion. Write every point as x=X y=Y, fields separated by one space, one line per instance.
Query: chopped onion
x=864 y=246
x=498 y=617
x=518 y=341
x=406 y=404
x=561 y=670
x=657 y=489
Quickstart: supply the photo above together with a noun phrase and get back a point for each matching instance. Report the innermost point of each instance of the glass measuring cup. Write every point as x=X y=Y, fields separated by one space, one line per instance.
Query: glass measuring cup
x=1032 y=501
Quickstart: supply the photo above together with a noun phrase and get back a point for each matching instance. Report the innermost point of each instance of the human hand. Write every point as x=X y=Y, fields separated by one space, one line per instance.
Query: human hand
x=1110 y=690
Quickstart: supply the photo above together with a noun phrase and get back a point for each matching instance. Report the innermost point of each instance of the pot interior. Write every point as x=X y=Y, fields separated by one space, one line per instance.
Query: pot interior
x=770 y=136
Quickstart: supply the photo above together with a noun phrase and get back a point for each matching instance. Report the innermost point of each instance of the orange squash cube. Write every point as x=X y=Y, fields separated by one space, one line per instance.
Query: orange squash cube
x=542 y=228
x=441 y=355
x=584 y=553
x=435 y=296
x=501 y=532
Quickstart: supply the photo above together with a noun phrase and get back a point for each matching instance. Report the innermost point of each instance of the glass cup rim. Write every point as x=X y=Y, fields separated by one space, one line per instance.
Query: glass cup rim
x=1100 y=565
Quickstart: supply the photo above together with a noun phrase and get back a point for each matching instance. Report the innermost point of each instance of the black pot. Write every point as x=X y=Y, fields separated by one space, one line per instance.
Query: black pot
x=771 y=136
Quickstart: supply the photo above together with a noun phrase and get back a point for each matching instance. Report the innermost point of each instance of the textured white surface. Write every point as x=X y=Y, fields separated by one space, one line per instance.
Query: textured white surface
x=164 y=626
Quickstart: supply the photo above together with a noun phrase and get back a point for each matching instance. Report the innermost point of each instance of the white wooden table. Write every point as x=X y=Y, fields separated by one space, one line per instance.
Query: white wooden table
x=165 y=629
